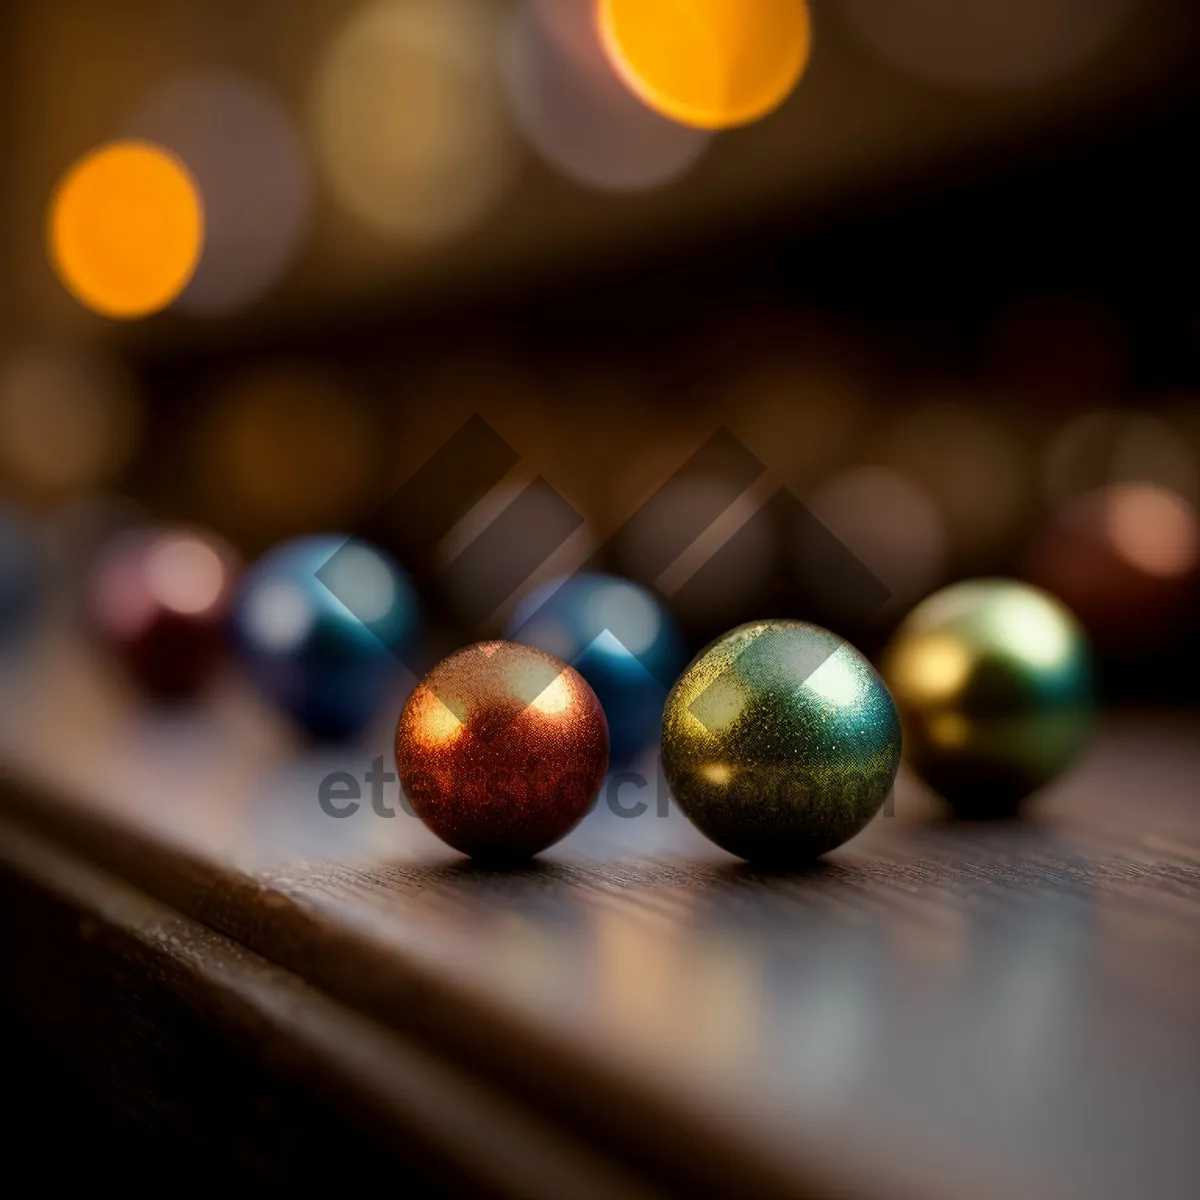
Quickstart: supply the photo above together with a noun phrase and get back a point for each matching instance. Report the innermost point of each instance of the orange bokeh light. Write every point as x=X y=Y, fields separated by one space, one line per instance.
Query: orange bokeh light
x=712 y=64
x=126 y=229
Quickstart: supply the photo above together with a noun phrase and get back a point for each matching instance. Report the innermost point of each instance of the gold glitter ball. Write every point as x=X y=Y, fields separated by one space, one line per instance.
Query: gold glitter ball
x=780 y=742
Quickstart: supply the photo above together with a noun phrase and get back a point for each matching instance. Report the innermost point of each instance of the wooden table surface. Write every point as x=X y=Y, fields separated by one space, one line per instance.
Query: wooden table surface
x=937 y=1009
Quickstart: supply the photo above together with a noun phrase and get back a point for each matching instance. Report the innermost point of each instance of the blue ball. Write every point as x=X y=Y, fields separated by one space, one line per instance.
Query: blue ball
x=20 y=574
x=619 y=637
x=321 y=625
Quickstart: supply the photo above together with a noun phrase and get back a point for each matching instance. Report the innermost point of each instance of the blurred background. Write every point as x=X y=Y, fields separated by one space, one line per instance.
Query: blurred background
x=945 y=293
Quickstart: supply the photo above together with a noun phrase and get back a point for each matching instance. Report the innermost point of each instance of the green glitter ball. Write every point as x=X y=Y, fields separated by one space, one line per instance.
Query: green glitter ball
x=993 y=680
x=780 y=742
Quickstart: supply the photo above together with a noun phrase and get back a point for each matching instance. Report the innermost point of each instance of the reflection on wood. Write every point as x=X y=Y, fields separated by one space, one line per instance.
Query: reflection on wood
x=936 y=1009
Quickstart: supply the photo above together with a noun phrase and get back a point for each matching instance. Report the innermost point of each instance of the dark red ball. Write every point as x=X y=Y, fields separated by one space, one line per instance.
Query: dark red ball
x=502 y=750
x=160 y=599
x=1126 y=559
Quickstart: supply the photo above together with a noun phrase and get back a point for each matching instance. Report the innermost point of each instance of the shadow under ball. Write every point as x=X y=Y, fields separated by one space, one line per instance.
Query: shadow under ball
x=501 y=750
x=993 y=680
x=159 y=599
x=780 y=742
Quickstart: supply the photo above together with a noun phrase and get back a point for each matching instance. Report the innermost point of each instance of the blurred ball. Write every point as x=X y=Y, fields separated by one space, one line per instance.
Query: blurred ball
x=993 y=680
x=574 y=110
x=319 y=625
x=501 y=750
x=126 y=229
x=69 y=419
x=407 y=118
x=780 y=742
x=253 y=171
x=619 y=637
x=712 y=64
x=160 y=600
x=988 y=43
x=1126 y=559
x=20 y=574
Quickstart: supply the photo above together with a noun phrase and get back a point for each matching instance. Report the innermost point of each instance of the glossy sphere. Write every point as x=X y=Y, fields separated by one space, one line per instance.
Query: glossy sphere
x=780 y=742
x=619 y=637
x=994 y=685
x=501 y=750
x=159 y=599
x=20 y=574
x=321 y=625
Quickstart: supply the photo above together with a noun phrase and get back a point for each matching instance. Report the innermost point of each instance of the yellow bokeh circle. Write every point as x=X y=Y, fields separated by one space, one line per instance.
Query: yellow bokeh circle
x=126 y=229
x=712 y=64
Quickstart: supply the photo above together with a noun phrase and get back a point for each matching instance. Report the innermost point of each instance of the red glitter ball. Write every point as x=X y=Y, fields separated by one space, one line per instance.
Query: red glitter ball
x=502 y=750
